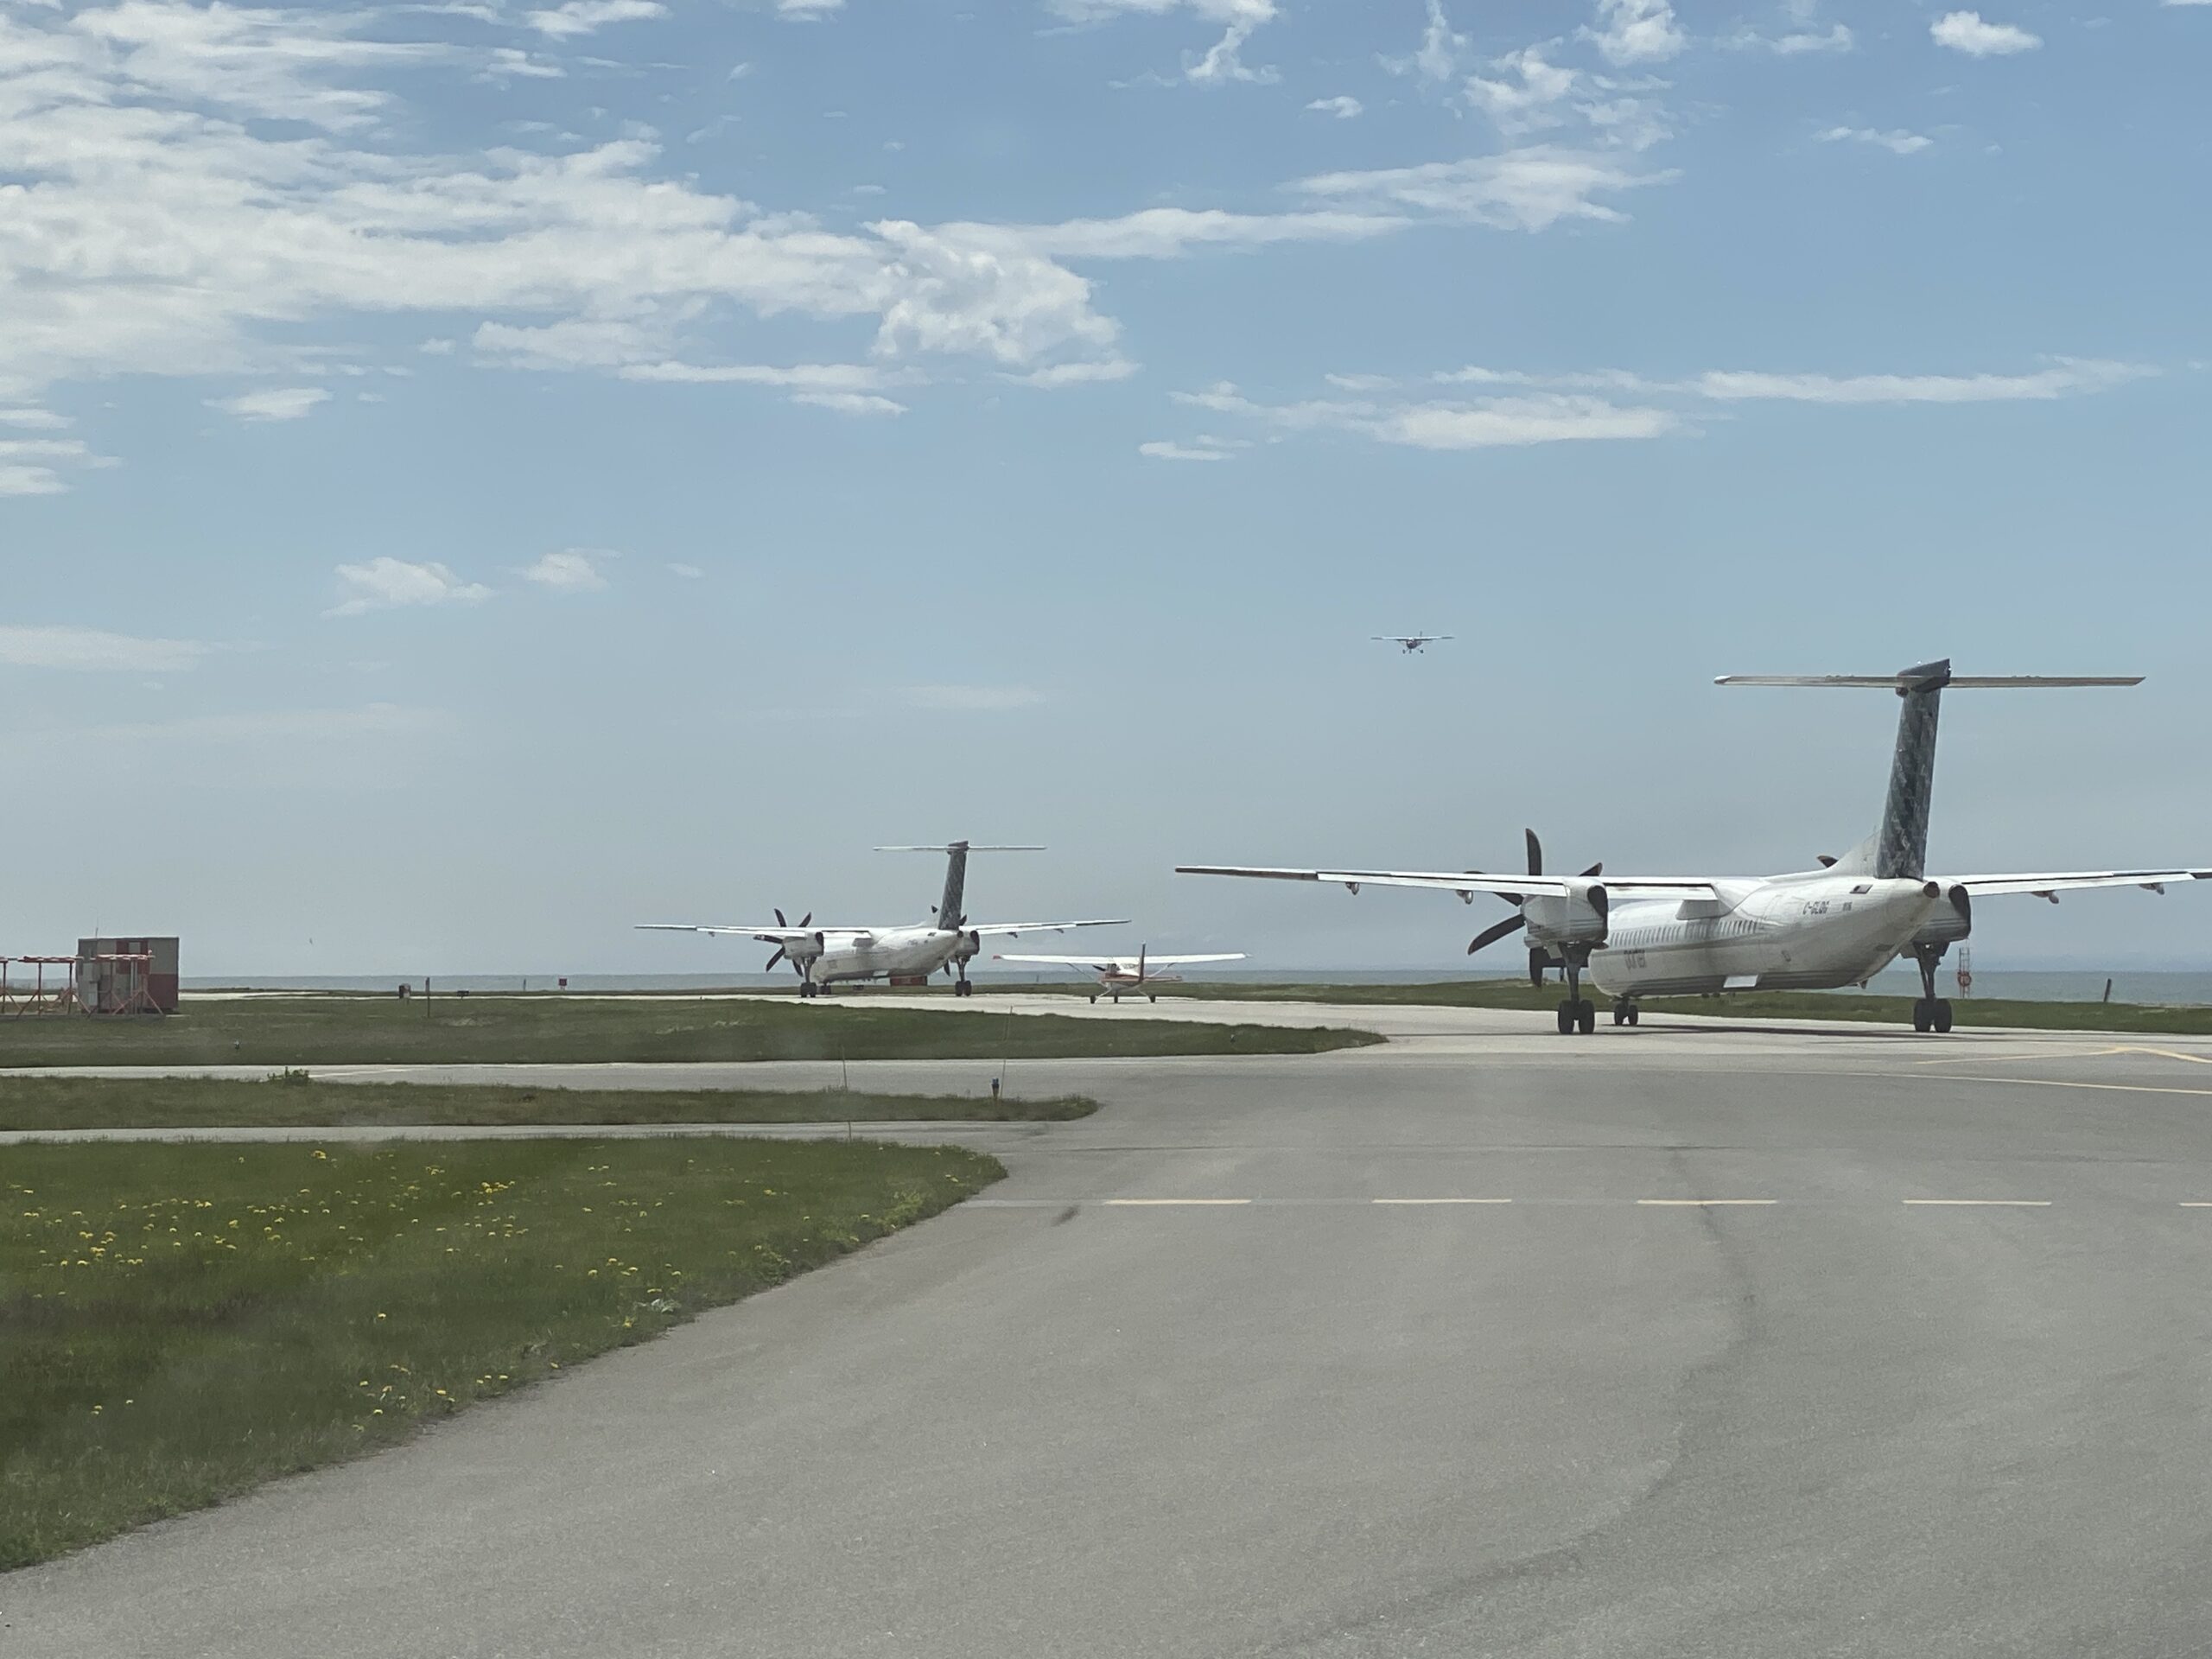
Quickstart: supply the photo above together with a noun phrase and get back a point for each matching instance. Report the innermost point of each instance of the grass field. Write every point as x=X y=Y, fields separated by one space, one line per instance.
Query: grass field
x=278 y=1032
x=179 y=1323
x=1501 y=993
x=292 y=1100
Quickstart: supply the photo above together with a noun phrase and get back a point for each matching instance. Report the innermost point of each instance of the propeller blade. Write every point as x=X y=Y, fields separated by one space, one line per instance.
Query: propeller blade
x=1538 y=960
x=1535 y=853
x=781 y=922
x=1495 y=931
x=807 y=920
x=774 y=960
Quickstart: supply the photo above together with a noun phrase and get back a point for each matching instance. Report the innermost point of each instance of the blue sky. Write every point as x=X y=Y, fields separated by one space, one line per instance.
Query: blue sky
x=474 y=476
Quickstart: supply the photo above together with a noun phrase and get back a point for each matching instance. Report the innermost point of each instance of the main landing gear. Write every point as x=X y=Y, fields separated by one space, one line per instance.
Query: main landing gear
x=807 y=987
x=1624 y=1011
x=1577 y=1014
x=1931 y=1013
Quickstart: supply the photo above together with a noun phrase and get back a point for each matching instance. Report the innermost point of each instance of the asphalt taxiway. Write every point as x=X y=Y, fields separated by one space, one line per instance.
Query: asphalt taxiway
x=1681 y=1340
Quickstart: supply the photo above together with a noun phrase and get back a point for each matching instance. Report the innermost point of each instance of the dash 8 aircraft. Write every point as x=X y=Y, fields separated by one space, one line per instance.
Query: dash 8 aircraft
x=905 y=954
x=1813 y=930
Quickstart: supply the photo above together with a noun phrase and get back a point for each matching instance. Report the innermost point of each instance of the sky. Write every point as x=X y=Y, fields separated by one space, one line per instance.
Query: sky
x=475 y=476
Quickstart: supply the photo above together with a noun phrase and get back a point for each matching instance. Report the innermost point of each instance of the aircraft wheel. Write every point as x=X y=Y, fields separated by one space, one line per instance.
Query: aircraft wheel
x=1633 y=1014
x=1923 y=1017
x=1094 y=996
x=1565 y=1018
x=1941 y=1014
x=1620 y=1015
x=1585 y=1016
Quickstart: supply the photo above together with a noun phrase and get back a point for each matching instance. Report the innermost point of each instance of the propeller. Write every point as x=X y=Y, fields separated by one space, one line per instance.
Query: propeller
x=1538 y=960
x=781 y=955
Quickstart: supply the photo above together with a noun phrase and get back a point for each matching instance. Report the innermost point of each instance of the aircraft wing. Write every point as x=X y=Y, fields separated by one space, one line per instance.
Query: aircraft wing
x=1465 y=882
x=1009 y=928
x=1100 y=964
x=766 y=935
x=2056 y=881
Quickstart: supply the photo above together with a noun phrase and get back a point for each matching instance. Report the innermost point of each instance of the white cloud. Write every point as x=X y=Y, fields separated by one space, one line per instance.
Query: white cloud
x=1531 y=97
x=1223 y=61
x=1344 y=108
x=385 y=583
x=1078 y=374
x=1636 y=31
x=850 y=403
x=1168 y=449
x=1439 y=56
x=584 y=16
x=805 y=11
x=1483 y=424
x=34 y=420
x=569 y=571
x=1798 y=43
x=1965 y=31
x=32 y=466
x=2069 y=377
x=1898 y=143
x=90 y=651
x=278 y=403
x=1530 y=188
x=689 y=572
x=972 y=699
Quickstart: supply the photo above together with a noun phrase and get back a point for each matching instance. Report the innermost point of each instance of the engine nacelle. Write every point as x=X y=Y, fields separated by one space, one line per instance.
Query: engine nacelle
x=1950 y=924
x=967 y=950
x=1580 y=915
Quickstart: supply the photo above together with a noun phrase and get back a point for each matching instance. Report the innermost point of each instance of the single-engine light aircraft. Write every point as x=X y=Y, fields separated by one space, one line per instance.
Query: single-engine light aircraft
x=905 y=954
x=1643 y=936
x=1409 y=643
x=1123 y=975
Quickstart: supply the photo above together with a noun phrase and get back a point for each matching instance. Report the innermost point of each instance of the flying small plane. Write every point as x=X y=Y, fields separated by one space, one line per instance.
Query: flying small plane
x=1120 y=975
x=1409 y=642
x=1814 y=930
x=905 y=954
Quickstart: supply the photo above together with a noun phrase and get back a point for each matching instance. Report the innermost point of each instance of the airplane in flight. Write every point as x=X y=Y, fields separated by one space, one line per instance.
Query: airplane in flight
x=1815 y=930
x=1123 y=975
x=1409 y=643
x=904 y=954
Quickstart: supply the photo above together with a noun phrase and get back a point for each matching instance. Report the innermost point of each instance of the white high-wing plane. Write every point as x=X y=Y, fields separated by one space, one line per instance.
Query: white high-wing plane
x=904 y=954
x=1409 y=643
x=1814 y=930
x=1133 y=977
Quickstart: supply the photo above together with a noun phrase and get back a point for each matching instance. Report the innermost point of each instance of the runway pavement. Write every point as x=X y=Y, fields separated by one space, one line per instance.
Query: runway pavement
x=1663 y=1342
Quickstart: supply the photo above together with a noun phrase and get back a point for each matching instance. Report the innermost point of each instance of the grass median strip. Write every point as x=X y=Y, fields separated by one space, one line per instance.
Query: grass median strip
x=180 y=1322
x=294 y=1101
x=294 y=1030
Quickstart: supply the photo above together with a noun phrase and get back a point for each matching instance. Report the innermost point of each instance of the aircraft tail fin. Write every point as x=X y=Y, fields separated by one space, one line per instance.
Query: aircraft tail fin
x=1899 y=847
x=952 y=908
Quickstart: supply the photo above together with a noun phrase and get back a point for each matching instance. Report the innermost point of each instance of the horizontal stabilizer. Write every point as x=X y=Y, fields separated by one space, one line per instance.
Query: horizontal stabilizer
x=1906 y=681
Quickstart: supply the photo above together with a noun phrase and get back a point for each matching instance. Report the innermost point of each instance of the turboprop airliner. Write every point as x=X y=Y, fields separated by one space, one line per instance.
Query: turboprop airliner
x=1120 y=976
x=904 y=954
x=1814 y=930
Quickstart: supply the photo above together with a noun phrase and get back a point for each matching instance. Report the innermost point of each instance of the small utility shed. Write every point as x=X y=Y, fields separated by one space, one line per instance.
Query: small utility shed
x=109 y=987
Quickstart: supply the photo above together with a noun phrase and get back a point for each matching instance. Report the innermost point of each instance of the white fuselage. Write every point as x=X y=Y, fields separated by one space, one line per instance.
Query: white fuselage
x=1813 y=932
x=876 y=953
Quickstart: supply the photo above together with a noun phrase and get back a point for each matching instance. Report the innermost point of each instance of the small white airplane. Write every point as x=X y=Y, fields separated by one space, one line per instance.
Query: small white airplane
x=1814 y=930
x=1120 y=975
x=1409 y=643
x=904 y=954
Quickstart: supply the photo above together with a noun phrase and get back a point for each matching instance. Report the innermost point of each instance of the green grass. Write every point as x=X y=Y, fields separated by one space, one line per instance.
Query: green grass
x=292 y=1100
x=277 y=1032
x=1503 y=993
x=180 y=1322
